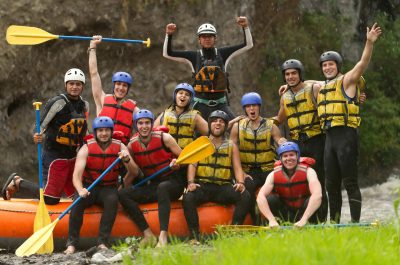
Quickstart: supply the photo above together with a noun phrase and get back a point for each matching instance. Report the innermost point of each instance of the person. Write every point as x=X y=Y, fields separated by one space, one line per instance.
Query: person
x=64 y=123
x=209 y=65
x=180 y=119
x=338 y=111
x=298 y=106
x=93 y=159
x=117 y=105
x=292 y=191
x=152 y=151
x=255 y=137
x=211 y=179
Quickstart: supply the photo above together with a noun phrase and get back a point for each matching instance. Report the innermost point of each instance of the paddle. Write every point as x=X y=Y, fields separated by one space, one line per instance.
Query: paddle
x=23 y=35
x=40 y=237
x=42 y=217
x=254 y=228
x=192 y=153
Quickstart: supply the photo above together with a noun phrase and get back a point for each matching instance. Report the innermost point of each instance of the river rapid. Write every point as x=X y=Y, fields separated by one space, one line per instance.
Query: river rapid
x=377 y=206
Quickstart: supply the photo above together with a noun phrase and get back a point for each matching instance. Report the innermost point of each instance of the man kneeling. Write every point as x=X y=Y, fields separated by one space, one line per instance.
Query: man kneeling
x=92 y=159
x=211 y=179
x=297 y=191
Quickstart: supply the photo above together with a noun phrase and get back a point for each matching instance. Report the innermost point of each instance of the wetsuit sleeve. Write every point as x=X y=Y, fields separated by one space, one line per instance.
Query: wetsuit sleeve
x=86 y=109
x=229 y=52
x=53 y=106
x=187 y=57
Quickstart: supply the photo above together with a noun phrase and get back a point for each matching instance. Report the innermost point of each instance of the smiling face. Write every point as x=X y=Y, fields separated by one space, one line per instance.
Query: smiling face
x=329 y=69
x=103 y=135
x=182 y=98
x=144 y=127
x=217 y=127
x=292 y=77
x=252 y=111
x=120 y=89
x=74 y=88
x=207 y=40
x=289 y=160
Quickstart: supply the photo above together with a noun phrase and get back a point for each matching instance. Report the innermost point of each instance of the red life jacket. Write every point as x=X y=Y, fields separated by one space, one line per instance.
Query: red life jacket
x=121 y=114
x=154 y=156
x=293 y=191
x=99 y=160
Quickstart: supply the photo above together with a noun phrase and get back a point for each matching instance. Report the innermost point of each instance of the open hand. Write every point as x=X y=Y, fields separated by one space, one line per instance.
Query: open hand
x=374 y=32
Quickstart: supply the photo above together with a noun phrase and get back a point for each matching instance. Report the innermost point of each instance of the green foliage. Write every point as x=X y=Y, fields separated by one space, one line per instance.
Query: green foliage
x=328 y=246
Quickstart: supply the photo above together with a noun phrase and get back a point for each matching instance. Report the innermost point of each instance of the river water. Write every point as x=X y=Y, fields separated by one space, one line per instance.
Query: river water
x=377 y=205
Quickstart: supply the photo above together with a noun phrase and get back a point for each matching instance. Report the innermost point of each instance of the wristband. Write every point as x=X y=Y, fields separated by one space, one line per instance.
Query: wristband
x=126 y=160
x=190 y=181
x=89 y=49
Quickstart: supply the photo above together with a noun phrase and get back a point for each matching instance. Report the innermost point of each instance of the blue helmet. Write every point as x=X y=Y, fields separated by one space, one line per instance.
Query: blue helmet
x=143 y=114
x=122 y=77
x=186 y=87
x=287 y=147
x=102 y=122
x=251 y=98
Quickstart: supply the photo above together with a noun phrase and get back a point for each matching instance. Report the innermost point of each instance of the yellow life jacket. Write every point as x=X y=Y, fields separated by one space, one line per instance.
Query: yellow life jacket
x=301 y=112
x=335 y=108
x=210 y=79
x=217 y=167
x=255 y=146
x=181 y=127
x=71 y=133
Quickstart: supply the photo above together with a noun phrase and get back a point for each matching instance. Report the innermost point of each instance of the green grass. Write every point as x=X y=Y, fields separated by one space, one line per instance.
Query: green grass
x=356 y=245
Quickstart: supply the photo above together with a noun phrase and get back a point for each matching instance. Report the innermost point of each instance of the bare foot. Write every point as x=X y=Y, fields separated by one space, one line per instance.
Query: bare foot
x=102 y=246
x=70 y=250
x=162 y=239
x=149 y=239
x=13 y=187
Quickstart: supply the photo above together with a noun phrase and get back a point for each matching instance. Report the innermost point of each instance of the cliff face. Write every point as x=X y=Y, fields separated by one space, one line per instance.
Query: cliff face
x=35 y=73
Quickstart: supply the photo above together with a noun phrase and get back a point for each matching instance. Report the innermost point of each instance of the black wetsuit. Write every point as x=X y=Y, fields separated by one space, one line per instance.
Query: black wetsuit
x=218 y=57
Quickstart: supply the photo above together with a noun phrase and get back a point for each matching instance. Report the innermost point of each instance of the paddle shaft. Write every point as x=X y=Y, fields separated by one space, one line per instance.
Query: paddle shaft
x=39 y=145
x=103 y=39
x=90 y=187
x=152 y=176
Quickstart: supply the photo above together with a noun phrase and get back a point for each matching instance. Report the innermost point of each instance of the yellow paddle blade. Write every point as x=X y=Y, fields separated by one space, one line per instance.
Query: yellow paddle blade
x=42 y=219
x=196 y=151
x=22 y=35
x=36 y=241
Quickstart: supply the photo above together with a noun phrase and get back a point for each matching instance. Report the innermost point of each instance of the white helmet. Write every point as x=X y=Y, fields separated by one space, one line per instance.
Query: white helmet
x=206 y=28
x=74 y=74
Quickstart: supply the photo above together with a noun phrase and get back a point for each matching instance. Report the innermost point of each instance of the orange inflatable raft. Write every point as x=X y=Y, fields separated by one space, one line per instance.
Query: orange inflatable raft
x=17 y=218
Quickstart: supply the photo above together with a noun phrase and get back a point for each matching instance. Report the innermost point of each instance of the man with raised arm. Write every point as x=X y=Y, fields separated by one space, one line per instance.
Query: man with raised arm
x=209 y=65
x=339 y=114
x=116 y=105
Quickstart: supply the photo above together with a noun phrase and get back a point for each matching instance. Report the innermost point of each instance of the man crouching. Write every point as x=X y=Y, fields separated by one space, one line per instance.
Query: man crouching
x=297 y=191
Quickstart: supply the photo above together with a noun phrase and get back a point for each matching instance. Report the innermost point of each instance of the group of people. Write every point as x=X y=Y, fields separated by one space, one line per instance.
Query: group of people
x=296 y=179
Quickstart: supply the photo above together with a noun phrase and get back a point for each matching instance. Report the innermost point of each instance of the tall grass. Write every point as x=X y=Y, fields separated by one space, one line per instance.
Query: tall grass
x=356 y=245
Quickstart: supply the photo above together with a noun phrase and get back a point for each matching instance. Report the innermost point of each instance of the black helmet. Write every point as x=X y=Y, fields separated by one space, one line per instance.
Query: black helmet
x=217 y=114
x=293 y=64
x=331 y=56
